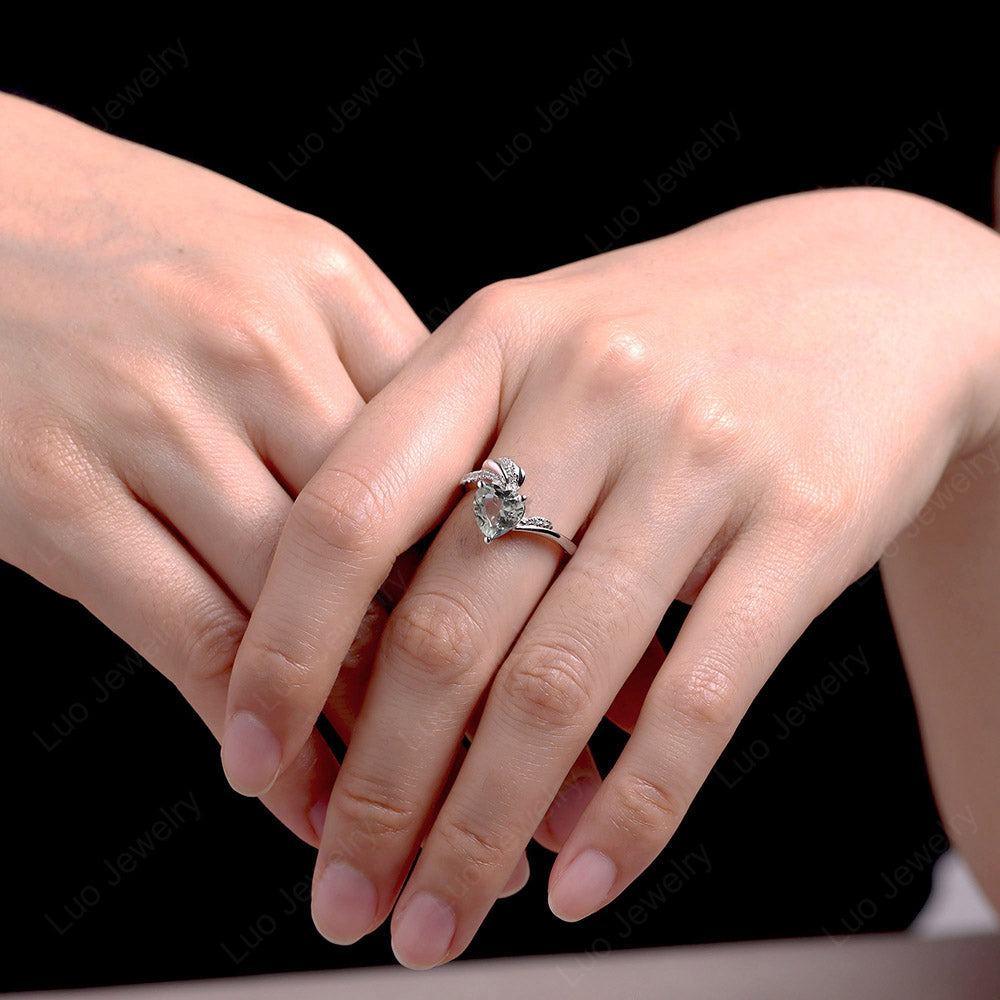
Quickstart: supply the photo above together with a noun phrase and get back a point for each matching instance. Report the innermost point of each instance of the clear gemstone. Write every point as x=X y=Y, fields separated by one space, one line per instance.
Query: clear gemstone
x=496 y=511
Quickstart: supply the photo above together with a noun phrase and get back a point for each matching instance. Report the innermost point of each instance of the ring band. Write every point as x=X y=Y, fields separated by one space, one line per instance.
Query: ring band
x=499 y=505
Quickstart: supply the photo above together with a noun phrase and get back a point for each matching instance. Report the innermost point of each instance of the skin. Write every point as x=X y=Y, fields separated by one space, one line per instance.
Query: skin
x=178 y=354
x=789 y=382
x=943 y=591
x=793 y=381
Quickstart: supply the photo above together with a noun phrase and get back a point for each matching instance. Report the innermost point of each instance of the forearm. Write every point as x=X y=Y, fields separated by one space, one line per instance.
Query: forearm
x=942 y=581
x=943 y=588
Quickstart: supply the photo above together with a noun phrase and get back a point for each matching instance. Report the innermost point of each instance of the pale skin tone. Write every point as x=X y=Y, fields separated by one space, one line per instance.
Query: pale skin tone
x=178 y=355
x=173 y=368
x=789 y=383
x=943 y=589
x=744 y=415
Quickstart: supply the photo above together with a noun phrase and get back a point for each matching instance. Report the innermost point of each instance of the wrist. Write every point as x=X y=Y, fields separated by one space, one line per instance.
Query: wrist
x=982 y=412
x=949 y=274
x=972 y=327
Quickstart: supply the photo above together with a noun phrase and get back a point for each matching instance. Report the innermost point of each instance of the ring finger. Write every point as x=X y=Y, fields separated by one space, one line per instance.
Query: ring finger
x=442 y=644
x=585 y=637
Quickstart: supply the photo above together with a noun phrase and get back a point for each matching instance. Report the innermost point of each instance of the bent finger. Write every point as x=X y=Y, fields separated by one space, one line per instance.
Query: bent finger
x=756 y=603
x=372 y=499
x=142 y=583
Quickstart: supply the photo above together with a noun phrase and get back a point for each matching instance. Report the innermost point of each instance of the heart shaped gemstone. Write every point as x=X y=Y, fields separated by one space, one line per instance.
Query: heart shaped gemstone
x=497 y=511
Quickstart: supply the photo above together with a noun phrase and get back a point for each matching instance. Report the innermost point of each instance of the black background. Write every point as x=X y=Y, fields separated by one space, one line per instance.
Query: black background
x=802 y=831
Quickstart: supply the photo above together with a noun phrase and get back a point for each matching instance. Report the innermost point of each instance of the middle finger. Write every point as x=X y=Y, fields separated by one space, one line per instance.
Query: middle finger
x=441 y=646
x=587 y=634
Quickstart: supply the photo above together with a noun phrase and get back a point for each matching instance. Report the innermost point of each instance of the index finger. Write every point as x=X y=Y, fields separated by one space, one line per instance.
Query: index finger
x=386 y=483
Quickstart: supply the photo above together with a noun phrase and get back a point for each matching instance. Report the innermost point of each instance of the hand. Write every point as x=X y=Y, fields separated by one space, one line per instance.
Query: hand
x=178 y=354
x=742 y=415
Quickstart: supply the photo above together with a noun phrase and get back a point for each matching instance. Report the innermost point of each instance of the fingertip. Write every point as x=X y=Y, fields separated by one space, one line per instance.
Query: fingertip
x=567 y=808
x=583 y=886
x=317 y=816
x=344 y=903
x=518 y=878
x=251 y=755
x=422 y=934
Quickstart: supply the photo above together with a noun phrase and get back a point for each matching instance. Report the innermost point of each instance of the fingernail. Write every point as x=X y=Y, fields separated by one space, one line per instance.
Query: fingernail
x=568 y=807
x=422 y=936
x=251 y=754
x=583 y=886
x=344 y=903
x=317 y=816
x=518 y=878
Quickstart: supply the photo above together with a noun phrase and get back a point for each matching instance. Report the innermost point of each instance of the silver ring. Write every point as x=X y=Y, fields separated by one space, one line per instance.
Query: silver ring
x=499 y=505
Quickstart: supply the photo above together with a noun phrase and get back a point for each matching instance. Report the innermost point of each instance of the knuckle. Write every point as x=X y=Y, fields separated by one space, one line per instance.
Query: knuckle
x=821 y=503
x=330 y=253
x=548 y=685
x=646 y=805
x=161 y=411
x=370 y=809
x=275 y=674
x=710 y=424
x=601 y=597
x=500 y=308
x=48 y=469
x=242 y=329
x=341 y=510
x=240 y=323
x=619 y=356
x=434 y=635
x=500 y=298
x=705 y=696
x=466 y=840
x=209 y=648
